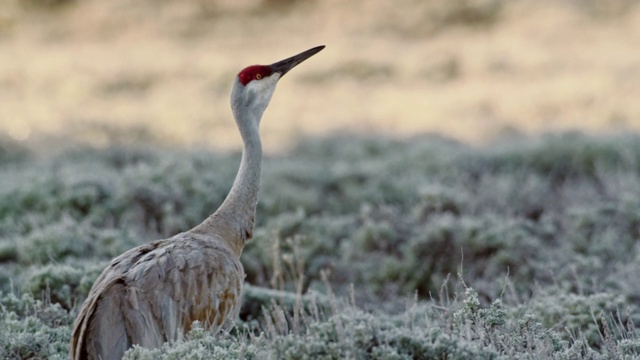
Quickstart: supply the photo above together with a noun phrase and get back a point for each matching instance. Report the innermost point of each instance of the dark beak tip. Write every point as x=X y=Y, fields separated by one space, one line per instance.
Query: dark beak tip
x=287 y=64
x=315 y=50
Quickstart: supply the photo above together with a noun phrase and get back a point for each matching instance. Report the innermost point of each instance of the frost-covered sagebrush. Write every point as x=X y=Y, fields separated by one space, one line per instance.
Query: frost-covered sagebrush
x=544 y=232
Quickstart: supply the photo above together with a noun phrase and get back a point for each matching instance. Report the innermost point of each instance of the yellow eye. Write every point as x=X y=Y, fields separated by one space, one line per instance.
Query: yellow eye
x=258 y=76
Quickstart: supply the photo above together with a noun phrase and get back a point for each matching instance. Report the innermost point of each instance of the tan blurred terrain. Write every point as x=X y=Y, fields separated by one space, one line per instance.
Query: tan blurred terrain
x=124 y=70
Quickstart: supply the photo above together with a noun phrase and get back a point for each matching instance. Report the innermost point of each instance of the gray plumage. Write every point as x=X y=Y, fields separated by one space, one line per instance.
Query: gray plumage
x=153 y=293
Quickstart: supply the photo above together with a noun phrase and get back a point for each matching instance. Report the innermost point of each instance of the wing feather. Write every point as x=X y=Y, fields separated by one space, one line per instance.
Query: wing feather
x=152 y=294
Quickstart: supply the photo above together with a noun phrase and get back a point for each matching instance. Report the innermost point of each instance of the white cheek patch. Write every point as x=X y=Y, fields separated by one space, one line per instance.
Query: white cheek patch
x=263 y=89
x=253 y=98
x=260 y=86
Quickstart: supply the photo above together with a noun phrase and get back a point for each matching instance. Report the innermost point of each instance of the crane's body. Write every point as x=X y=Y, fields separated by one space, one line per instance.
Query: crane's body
x=152 y=294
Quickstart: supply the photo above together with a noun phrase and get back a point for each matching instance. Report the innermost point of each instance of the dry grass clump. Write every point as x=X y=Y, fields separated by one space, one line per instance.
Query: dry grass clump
x=463 y=329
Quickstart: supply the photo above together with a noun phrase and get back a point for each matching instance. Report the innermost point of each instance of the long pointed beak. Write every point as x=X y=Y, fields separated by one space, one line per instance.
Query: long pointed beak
x=283 y=66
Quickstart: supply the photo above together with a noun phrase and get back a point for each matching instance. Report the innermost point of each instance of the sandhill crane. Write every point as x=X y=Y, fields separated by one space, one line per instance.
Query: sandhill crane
x=152 y=294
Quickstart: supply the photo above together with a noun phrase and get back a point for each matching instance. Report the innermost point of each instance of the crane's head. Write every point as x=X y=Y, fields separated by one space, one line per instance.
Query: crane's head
x=255 y=85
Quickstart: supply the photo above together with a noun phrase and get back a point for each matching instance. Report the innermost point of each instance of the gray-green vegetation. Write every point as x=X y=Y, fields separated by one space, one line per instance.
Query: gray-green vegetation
x=365 y=248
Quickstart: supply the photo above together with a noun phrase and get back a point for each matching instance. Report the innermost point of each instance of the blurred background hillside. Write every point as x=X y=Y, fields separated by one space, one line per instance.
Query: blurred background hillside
x=103 y=71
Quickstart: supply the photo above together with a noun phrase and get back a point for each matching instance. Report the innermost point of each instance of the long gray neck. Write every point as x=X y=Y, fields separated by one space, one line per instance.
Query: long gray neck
x=234 y=219
x=243 y=196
